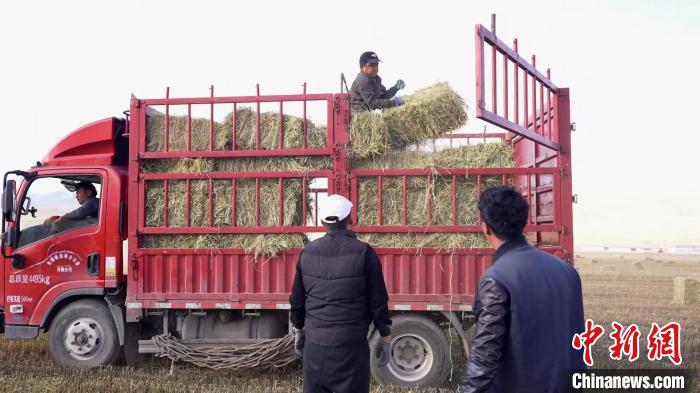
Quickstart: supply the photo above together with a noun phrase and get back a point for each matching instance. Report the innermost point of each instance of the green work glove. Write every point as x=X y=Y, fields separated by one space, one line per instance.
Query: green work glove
x=400 y=84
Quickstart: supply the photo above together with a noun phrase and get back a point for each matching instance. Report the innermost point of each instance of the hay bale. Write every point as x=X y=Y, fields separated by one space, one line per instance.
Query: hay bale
x=293 y=129
x=638 y=265
x=369 y=134
x=685 y=290
x=595 y=260
x=427 y=114
x=177 y=133
x=246 y=124
x=608 y=269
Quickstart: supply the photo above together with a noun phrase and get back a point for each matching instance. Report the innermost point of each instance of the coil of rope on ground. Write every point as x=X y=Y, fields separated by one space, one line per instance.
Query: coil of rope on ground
x=264 y=354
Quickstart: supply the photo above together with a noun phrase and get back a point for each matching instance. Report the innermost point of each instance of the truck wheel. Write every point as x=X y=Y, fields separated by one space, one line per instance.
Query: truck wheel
x=419 y=353
x=83 y=334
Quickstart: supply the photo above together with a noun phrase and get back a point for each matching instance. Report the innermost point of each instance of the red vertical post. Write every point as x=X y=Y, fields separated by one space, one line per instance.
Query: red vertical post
x=549 y=107
x=211 y=202
x=479 y=67
x=211 y=119
x=534 y=98
x=305 y=129
x=234 y=115
x=564 y=130
x=516 y=92
x=542 y=108
x=494 y=91
x=257 y=117
x=188 y=220
x=233 y=202
x=379 y=200
x=505 y=86
x=189 y=127
x=340 y=118
x=525 y=98
x=529 y=198
x=166 y=133
x=135 y=219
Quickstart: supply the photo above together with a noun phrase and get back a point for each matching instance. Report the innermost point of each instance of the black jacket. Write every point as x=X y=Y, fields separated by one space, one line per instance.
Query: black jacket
x=528 y=307
x=338 y=290
x=368 y=93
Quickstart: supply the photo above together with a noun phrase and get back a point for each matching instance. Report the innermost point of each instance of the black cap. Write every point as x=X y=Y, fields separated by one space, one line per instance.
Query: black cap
x=368 y=57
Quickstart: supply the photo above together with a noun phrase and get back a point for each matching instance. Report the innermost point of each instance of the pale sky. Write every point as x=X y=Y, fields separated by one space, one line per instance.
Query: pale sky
x=632 y=67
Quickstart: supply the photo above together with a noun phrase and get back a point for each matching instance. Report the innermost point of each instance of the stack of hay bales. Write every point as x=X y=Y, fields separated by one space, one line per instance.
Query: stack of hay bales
x=246 y=123
x=380 y=140
x=429 y=192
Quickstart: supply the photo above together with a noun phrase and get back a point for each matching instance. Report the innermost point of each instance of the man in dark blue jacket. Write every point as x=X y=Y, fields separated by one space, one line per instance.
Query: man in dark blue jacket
x=338 y=291
x=528 y=307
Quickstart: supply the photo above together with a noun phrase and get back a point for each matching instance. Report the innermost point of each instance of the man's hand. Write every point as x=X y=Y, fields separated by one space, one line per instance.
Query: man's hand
x=383 y=351
x=299 y=341
x=397 y=101
x=400 y=84
x=54 y=225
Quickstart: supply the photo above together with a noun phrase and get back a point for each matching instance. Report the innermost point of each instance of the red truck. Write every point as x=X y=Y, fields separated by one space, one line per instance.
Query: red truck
x=99 y=294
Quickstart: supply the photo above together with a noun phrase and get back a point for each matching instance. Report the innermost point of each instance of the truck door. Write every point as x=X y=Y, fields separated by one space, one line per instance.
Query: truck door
x=53 y=256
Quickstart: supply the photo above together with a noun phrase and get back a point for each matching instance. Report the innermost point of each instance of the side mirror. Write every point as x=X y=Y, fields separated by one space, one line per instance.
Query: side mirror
x=8 y=200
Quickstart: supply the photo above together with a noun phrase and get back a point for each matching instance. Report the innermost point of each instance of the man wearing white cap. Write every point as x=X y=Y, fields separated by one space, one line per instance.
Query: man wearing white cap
x=338 y=291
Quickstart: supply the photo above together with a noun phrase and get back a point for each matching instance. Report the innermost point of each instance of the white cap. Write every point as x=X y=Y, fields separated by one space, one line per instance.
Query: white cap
x=334 y=206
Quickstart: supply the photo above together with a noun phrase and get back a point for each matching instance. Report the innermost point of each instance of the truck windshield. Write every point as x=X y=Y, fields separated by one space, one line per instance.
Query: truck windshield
x=53 y=205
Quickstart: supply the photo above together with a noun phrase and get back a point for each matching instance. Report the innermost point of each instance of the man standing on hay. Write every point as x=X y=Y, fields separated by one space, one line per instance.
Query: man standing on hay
x=338 y=290
x=528 y=307
x=367 y=91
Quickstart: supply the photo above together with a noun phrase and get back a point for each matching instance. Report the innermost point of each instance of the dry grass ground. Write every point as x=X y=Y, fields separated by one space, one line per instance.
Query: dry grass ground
x=622 y=288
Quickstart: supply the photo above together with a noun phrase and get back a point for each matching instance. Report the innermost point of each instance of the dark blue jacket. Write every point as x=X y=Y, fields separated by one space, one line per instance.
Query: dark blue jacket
x=528 y=307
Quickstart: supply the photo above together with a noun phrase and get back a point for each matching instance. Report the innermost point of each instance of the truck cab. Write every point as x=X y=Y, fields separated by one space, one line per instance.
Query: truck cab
x=50 y=263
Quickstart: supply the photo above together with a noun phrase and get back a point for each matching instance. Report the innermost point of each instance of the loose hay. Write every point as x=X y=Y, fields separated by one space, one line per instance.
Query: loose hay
x=427 y=114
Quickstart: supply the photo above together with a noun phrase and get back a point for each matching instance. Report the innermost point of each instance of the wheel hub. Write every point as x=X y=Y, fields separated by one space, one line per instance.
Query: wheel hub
x=411 y=357
x=83 y=338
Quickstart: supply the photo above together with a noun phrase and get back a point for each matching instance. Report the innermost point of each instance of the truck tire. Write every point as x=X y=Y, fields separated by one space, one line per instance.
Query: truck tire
x=83 y=334
x=420 y=353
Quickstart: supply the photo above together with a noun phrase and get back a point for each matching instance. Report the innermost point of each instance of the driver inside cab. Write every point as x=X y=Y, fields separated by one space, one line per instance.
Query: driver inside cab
x=86 y=214
x=86 y=194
